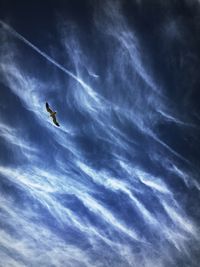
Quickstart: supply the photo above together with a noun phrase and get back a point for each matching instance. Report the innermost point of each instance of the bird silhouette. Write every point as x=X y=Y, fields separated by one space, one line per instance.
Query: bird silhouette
x=52 y=114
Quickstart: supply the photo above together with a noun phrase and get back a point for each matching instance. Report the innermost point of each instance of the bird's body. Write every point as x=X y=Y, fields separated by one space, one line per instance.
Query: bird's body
x=52 y=114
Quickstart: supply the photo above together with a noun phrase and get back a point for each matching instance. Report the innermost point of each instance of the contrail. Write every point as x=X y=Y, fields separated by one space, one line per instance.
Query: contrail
x=20 y=37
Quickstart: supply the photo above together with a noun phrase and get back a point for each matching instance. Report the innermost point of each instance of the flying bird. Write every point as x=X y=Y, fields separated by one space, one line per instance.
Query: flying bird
x=52 y=114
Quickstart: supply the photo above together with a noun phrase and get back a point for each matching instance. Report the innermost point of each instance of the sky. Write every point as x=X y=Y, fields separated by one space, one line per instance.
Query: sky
x=118 y=183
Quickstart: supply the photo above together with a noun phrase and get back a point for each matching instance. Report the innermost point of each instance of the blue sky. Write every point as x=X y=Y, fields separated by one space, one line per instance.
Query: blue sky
x=117 y=184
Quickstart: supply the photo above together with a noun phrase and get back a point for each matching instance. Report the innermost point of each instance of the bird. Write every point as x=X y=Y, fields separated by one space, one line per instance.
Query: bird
x=52 y=114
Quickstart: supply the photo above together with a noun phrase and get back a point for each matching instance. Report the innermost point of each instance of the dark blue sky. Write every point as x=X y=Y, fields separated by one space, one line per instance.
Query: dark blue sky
x=117 y=184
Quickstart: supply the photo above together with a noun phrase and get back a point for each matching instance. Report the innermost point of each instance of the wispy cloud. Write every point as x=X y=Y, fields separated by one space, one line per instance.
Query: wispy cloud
x=106 y=188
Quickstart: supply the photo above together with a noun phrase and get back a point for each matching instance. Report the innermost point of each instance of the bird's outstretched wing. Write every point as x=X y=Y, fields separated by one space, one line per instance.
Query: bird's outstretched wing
x=55 y=121
x=48 y=108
